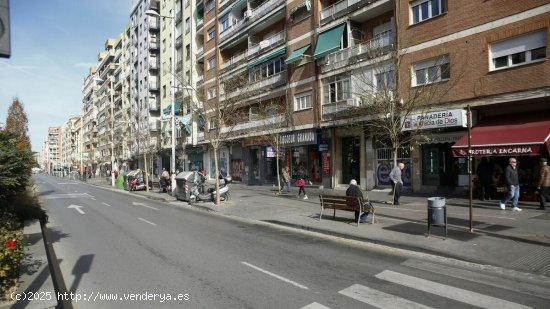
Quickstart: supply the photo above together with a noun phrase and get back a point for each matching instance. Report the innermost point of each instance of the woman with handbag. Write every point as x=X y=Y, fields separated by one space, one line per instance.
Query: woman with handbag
x=301 y=182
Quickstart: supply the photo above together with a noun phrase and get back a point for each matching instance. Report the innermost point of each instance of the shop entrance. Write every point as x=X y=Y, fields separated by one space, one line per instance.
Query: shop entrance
x=439 y=168
x=351 y=149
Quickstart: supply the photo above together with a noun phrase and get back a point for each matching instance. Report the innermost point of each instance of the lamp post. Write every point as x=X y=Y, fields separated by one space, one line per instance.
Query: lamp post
x=172 y=109
x=112 y=129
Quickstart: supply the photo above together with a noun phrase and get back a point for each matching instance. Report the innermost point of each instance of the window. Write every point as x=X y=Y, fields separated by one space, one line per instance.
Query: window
x=211 y=93
x=336 y=90
x=212 y=62
x=431 y=71
x=267 y=69
x=385 y=80
x=426 y=9
x=213 y=123
x=519 y=50
x=224 y=23
x=209 y=5
x=302 y=101
x=187 y=52
x=211 y=33
x=187 y=25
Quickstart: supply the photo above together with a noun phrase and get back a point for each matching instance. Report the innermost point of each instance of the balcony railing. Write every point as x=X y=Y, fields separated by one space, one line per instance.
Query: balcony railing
x=343 y=7
x=269 y=43
x=340 y=106
x=253 y=14
x=379 y=46
x=200 y=51
x=153 y=64
x=258 y=123
x=233 y=60
x=266 y=83
x=200 y=23
x=154 y=85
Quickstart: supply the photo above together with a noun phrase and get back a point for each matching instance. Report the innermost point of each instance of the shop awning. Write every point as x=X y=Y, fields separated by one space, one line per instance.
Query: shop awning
x=185 y=122
x=267 y=58
x=297 y=54
x=329 y=41
x=513 y=135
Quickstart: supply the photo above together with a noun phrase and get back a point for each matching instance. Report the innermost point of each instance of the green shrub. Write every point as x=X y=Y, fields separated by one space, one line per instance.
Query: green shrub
x=12 y=251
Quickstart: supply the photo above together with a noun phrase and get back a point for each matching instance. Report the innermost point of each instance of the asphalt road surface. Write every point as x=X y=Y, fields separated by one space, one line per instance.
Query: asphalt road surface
x=119 y=250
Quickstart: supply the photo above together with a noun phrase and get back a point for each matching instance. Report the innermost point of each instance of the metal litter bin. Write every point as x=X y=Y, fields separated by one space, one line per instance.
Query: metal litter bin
x=437 y=213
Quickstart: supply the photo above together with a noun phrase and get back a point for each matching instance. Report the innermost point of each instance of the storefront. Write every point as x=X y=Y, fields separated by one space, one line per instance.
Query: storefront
x=301 y=148
x=525 y=137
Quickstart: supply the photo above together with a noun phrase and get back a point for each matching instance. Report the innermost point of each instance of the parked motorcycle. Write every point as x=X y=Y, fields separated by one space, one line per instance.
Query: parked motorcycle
x=137 y=182
x=199 y=190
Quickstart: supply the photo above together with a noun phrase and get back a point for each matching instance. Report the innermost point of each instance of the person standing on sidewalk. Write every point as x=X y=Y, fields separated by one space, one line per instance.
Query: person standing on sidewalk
x=286 y=179
x=511 y=179
x=397 y=182
x=544 y=183
x=301 y=182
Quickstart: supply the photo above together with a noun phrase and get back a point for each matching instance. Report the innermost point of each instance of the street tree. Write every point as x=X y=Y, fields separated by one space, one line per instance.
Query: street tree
x=17 y=123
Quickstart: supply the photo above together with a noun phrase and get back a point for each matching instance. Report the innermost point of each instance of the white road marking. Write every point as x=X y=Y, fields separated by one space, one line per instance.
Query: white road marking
x=315 y=306
x=92 y=198
x=67 y=195
x=275 y=275
x=379 y=299
x=146 y=221
x=67 y=183
x=77 y=209
x=106 y=204
x=144 y=205
x=527 y=284
x=465 y=296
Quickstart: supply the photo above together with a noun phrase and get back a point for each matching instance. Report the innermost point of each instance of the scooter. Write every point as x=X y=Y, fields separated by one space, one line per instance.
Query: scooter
x=199 y=191
x=137 y=184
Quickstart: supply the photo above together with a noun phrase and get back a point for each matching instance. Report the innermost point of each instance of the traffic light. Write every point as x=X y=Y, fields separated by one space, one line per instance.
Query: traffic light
x=5 y=48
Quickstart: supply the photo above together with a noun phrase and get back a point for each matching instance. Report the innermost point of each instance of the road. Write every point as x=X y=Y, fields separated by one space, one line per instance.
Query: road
x=147 y=254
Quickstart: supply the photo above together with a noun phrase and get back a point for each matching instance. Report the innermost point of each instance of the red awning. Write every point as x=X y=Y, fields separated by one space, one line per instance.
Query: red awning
x=511 y=135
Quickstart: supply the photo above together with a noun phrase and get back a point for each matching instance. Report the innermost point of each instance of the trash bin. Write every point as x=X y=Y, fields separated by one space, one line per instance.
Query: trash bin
x=437 y=213
x=183 y=181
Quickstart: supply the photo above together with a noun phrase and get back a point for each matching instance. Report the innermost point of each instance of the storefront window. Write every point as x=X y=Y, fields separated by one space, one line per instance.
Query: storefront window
x=350 y=159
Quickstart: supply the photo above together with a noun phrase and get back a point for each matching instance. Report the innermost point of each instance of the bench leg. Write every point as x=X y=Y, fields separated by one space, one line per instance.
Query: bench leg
x=334 y=215
x=321 y=214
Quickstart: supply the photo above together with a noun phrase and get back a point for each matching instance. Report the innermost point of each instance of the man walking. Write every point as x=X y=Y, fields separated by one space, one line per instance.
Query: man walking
x=544 y=183
x=397 y=181
x=512 y=181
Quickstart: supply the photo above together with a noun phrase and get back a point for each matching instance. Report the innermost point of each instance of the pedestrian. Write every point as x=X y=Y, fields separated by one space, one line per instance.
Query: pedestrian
x=301 y=182
x=544 y=183
x=397 y=182
x=485 y=176
x=285 y=178
x=511 y=179
x=354 y=190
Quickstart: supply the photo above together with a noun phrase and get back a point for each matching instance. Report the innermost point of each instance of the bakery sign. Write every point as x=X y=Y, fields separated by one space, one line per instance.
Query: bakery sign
x=504 y=150
x=435 y=120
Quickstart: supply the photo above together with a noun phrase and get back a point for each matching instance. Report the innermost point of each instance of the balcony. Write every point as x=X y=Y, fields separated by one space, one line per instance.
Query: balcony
x=267 y=44
x=258 y=124
x=153 y=23
x=154 y=125
x=153 y=85
x=344 y=7
x=153 y=64
x=233 y=60
x=179 y=40
x=200 y=52
x=154 y=104
x=377 y=47
x=332 y=109
x=200 y=23
x=153 y=45
x=263 y=85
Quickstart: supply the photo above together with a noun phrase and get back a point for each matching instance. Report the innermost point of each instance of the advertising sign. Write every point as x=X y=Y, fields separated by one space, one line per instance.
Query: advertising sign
x=435 y=120
x=506 y=150
x=299 y=138
x=383 y=173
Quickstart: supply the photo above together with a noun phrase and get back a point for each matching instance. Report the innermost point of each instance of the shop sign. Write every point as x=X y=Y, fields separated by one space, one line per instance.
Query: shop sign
x=305 y=137
x=323 y=145
x=270 y=152
x=326 y=164
x=508 y=150
x=435 y=120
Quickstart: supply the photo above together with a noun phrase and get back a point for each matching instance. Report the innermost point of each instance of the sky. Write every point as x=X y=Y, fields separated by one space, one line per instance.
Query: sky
x=53 y=45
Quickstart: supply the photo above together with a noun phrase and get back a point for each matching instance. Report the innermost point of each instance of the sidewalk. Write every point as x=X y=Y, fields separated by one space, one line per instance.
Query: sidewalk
x=515 y=240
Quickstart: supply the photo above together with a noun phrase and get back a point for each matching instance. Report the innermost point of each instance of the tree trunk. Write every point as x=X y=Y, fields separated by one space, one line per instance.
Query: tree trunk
x=278 y=166
x=146 y=172
x=216 y=175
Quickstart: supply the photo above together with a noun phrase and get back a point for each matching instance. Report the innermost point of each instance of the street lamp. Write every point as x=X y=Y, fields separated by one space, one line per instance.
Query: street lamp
x=172 y=111
x=97 y=79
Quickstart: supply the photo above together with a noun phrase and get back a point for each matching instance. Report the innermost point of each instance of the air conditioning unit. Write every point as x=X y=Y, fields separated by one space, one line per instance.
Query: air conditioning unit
x=247 y=14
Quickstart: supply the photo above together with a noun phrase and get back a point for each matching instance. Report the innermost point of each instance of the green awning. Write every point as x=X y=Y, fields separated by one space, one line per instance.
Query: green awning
x=329 y=41
x=280 y=52
x=297 y=54
x=185 y=122
x=229 y=8
x=168 y=109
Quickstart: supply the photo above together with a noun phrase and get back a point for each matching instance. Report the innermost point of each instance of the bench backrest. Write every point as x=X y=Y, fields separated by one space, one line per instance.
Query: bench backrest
x=341 y=202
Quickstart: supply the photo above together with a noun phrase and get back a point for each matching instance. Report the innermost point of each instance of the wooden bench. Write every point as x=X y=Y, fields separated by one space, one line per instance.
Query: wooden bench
x=348 y=203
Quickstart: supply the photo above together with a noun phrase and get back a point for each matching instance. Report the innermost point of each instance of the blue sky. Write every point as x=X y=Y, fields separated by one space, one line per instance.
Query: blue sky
x=53 y=45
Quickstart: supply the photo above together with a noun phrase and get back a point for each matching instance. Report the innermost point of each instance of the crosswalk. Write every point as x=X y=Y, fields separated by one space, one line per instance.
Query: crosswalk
x=385 y=295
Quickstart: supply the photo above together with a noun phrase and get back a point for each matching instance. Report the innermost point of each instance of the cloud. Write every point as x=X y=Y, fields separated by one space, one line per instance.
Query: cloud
x=22 y=68
x=86 y=65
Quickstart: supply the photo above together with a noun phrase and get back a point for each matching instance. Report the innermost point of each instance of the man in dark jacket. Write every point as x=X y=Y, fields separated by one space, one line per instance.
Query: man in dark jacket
x=544 y=183
x=512 y=181
x=354 y=190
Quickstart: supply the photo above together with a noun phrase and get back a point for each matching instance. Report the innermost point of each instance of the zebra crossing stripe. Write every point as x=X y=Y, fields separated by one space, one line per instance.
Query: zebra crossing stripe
x=378 y=299
x=315 y=306
x=461 y=295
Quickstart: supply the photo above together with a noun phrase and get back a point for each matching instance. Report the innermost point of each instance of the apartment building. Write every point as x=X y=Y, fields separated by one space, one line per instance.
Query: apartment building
x=144 y=83
x=70 y=142
x=53 y=151
x=303 y=63
x=89 y=122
